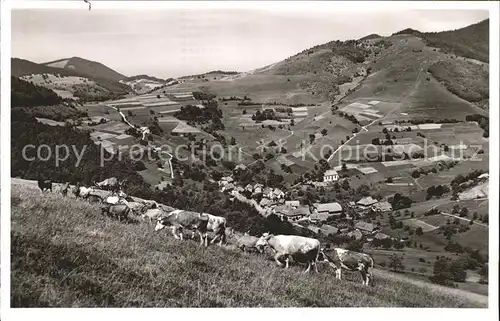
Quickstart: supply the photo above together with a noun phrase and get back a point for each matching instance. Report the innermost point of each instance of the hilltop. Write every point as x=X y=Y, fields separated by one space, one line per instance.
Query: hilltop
x=469 y=42
x=67 y=82
x=86 y=67
x=86 y=260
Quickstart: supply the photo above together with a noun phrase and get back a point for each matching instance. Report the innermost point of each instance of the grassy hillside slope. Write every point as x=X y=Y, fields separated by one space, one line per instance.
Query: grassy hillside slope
x=64 y=253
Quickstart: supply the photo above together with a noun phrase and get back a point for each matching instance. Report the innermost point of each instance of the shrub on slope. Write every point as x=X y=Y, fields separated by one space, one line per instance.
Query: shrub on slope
x=64 y=254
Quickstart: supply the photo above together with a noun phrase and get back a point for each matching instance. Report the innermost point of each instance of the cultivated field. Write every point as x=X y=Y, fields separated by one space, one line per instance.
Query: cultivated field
x=86 y=260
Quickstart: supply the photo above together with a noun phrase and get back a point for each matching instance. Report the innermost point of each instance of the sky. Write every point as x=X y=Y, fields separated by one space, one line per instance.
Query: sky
x=176 y=42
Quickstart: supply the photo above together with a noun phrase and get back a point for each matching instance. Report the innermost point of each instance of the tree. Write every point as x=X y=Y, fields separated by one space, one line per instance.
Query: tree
x=311 y=138
x=233 y=141
x=419 y=231
x=344 y=167
x=415 y=174
x=244 y=111
x=463 y=212
x=324 y=132
x=396 y=263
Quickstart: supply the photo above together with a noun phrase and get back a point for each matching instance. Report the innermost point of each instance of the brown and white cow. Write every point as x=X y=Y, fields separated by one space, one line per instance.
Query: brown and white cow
x=300 y=248
x=179 y=220
x=153 y=214
x=246 y=242
x=217 y=224
x=340 y=259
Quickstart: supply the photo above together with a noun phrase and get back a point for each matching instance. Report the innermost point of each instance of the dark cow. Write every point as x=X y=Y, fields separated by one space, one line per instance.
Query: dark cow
x=179 y=220
x=45 y=184
x=340 y=259
x=92 y=198
x=120 y=211
x=64 y=189
x=300 y=248
x=245 y=242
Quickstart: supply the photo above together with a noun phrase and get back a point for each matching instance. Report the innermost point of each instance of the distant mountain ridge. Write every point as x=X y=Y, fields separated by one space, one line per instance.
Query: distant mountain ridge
x=144 y=76
x=86 y=67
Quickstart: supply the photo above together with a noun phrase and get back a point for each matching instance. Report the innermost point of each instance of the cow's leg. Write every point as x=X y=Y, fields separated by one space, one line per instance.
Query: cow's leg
x=338 y=273
x=277 y=257
x=315 y=266
x=363 y=275
x=308 y=268
x=287 y=260
x=174 y=232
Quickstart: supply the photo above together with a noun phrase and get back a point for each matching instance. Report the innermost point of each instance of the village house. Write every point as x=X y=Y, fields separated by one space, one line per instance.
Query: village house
x=382 y=207
x=293 y=204
x=381 y=236
x=278 y=194
x=291 y=214
x=365 y=228
x=240 y=167
x=225 y=180
x=366 y=203
x=264 y=202
x=267 y=192
x=228 y=187
x=249 y=188
x=330 y=176
x=332 y=209
x=314 y=229
x=319 y=217
x=356 y=234
x=329 y=230
x=257 y=190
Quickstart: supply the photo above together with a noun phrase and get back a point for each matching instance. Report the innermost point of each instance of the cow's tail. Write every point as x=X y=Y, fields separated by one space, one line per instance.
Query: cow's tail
x=223 y=233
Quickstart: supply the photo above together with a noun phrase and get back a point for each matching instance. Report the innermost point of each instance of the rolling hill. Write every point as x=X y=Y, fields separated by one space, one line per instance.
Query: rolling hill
x=67 y=82
x=86 y=67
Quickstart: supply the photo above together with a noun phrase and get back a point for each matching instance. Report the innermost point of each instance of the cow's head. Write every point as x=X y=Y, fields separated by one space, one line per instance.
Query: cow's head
x=262 y=242
x=161 y=223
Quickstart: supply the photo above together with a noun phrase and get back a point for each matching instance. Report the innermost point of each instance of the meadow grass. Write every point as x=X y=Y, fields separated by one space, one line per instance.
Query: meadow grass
x=65 y=254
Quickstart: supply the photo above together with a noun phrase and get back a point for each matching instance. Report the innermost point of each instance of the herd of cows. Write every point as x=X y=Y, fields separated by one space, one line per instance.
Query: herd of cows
x=299 y=248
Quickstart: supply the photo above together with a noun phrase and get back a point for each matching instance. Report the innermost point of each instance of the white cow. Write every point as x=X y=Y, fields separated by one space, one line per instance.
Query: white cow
x=340 y=259
x=217 y=224
x=300 y=248
x=82 y=191
x=179 y=220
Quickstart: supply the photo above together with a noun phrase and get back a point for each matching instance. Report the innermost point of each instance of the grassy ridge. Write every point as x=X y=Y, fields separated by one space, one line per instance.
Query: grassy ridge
x=64 y=254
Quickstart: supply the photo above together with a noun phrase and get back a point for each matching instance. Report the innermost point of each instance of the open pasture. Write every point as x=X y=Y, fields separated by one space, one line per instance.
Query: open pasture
x=262 y=88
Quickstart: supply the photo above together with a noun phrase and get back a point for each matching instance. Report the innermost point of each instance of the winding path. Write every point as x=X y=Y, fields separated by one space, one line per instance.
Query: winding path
x=144 y=133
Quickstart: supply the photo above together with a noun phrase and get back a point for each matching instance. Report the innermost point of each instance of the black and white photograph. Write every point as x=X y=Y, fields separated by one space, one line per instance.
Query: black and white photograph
x=225 y=155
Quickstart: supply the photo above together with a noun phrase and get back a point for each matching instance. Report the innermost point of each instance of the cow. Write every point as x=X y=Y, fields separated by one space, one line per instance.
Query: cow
x=92 y=198
x=179 y=220
x=82 y=191
x=246 y=242
x=300 y=248
x=151 y=204
x=110 y=184
x=217 y=224
x=45 y=184
x=115 y=199
x=64 y=189
x=119 y=211
x=340 y=259
x=153 y=214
